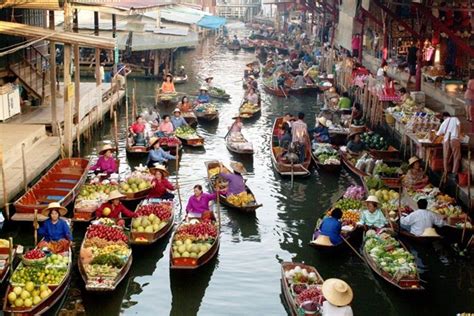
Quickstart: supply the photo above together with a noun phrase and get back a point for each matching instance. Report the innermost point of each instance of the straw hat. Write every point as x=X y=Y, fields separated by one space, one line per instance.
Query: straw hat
x=105 y=148
x=412 y=160
x=252 y=77
x=169 y=75
x=323 y=121
x=236 y=116
x=115 y=194
x=323 y=240
x=337 y=292
x=153 y=141
x=54 y=206
x=238 y=167
x=430 y=232
x=161 y=168
x=203 y=88
x=373 y=199
x=177 y=110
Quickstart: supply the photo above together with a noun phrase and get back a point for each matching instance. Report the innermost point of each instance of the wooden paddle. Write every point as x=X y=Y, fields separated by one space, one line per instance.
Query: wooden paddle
x=177 y=184
x=218 y=207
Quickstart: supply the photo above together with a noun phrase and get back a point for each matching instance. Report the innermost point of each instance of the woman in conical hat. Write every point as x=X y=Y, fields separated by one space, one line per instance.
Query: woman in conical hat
x=338 y=295
x=114 y=208
x=106 y=162
x=55 y=228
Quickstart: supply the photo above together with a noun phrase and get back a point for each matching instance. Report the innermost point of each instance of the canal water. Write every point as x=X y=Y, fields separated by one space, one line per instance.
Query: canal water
x=245 y=277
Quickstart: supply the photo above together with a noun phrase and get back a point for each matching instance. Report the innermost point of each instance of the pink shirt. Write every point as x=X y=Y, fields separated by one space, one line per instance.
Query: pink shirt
x=200 y=205
x=166 y=127
x=106 y=165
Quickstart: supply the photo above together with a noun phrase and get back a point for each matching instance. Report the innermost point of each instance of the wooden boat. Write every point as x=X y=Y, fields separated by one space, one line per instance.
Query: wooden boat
x=190 y=118
x=248 y=47
x=217 y=93
x=60 y=184
x=329 y=168
x=247 y=112
x=391 y=154
x=137 y=238
x=92 y=286
x=290 y=299
x=167 y=99
x=135 y=151
x=222 y=198
x=172 y=146
x=405 y=284
x=6 y=259
x=308 y=89
x=281 y=164
x=180 y=79
x=234 y=142
x=57 y=292
x=193 y=263
x=233 y=47
x=192 y=141
x=281 y=93
x=417 y=239
x=208 y=114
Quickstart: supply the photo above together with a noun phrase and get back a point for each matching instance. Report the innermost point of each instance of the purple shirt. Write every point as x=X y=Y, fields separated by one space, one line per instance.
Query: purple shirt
x=200 y=205
x=109 y=166
x=236 y=183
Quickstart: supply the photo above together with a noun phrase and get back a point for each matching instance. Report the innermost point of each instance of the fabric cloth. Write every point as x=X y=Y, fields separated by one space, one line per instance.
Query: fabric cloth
x=137 y=128
x=166 y=127
x=420 y=219
x=344 y=103
x=236 y=183
x=299 y=130
x=167 y=87
x=203 y=98
x=331 y=227
x=115 y=211
x=376 y=219
x=449 y=128
x=201 y=204
x=178 y=122
x=55 y=232
x=355 y=147
x=158 y=155
x=452 y=154
x=160 y=187
x=105 y=165
x=332 y=310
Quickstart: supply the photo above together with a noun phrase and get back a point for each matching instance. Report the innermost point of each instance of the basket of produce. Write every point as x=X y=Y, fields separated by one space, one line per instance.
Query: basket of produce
x=151 y=219
x=34 y=257
x=137 y=185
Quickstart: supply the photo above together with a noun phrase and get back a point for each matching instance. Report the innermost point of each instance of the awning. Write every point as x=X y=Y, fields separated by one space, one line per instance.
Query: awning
x=211 y=22
x=150 y=41
x=174 y=15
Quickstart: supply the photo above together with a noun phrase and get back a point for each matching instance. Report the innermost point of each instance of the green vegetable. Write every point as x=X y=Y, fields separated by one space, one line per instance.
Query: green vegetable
x=374 y=182
x=384 y=169
x=108 y=259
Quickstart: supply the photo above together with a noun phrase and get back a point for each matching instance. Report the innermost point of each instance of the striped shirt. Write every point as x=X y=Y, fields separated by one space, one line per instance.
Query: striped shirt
x=419 y=220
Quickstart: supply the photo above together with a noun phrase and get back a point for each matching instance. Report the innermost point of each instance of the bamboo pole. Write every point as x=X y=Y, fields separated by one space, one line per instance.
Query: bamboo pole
x=4 y=185
x=116 y=134
x=35 y=226
x=468 y=194
x=218 y=207
x=126 y=107
x=177 y=184
x=23 y=162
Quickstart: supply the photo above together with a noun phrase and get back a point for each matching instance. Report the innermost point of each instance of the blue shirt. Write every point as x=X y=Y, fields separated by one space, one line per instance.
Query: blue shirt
x=178 y=122
x=331 y=227
x=55 y=232
x=203 y=98
x=323 y=132
x=158 y=155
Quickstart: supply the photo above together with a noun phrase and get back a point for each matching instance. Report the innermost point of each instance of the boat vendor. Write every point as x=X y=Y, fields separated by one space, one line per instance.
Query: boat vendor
x=181 y=71
x=198 y=203
x=177 y=120
x=451 y=129
x=247 y=72
x=185 y=105
x=54 y=228
x=252 y=97
x=330 y=227
x=338 y=295
x=421 y=221
x=208 y=82
x=286 y=137
x=345 y=103
x=415 y=177
x=236 y=127
x=157 y=154
x=299 y=134
x=372 y=216
x=235 y=41
x=357 y=112
x=355 y=145
x=161 y=187
x=280 y=82
x=168 y=86
x=252 y=83
x=114 y=208
x=321 y=131
x=106 y=162
x=166 y=127
x=137 y=129
x=151 y=116
x=235 y=180
x=203 y=96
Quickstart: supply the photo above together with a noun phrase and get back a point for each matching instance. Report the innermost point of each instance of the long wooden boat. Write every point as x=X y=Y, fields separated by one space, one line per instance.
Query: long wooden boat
x=223 y=198
x=192 y=140
x=404 y=284
x=57 y=293
x=134 y=151
x=417 y=239
x=6 y=259
x=249 y=111
x=329 y=168
x=308 y=89
x=280 y=163
x=193 y=263
x=281 y=93
x=180 y=79
x=234 y=141
x=190 y=118
x=143 y=238
x=60 y=184
x=294 y=308
x=250 y=47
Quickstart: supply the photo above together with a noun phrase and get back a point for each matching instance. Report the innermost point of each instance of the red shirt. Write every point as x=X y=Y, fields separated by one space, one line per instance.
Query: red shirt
x=159 y=188
x=115 y=211
x=137 y=128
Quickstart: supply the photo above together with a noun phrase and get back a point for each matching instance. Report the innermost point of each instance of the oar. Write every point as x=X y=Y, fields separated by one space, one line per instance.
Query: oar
x=177 y=184
x=292 y=173
x=35 y=226
x=468 y=193
x=229 y=130
x=353 y=249
x=283 y=90
x=218 y=207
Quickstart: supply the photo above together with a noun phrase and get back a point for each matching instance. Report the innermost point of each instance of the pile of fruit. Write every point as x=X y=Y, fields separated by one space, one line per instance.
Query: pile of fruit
x=299 y=275
x=167 y=96
x=214 y=91
x=28 y=295
x=326 y=154
x=106 y=221
x=385 y=195
x=390 y=256
x=186 y=132
x=106 y=232
x=59 y=246
x=193 y=239
x=374 y=141
x=148 y=224
x=349 y=216
x=241 y=199
x=348 y=204
x=438 y=202
x=248 y=108
x=135 y=183
x=170 y=141
x=207 y=108
x=92 y=195
x=34 y=256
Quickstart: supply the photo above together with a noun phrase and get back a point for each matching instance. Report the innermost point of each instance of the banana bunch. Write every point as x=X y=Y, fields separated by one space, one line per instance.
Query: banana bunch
x=241 y=199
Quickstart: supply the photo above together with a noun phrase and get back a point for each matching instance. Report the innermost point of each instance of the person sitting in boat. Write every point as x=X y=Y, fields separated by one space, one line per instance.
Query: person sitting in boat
x=198 y=203
x=114 y=208
x=181 y=71
x=203 y=96
x=151 y=116
x=357 y=112
x=235 y=41
x=338 y=295
x=54 y=228
x=415 y=177
x=344 y=103
x=177 y=120
x=331 y=227
x=421 y=221
x=372 y=216
x=355 y=145
x=245 y=41
x=185 y=106
x=302 y=66
x=137 y=129
x=299 y=133
x=312 y=74
x=236 y=127
x=156 y=154
x=161 y=187
x=106 y=162
x=166 y=127
x=168 y=86
x=247 y=72
x=208 y=82
x=252 y=97
x=281 y=81
x=321 y=131
x=286 y=137
x=300 y=82
x=252 y=83
x=236 y=183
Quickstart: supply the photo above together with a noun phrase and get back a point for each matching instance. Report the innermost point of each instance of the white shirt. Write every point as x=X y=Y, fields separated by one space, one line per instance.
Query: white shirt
x=380 y=72
x=450 y=126
x=332 y=310
x=419 y=220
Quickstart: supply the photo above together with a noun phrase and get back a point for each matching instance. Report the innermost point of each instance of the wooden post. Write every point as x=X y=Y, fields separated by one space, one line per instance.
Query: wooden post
x=23 y=161
x=116 y=134
x=52 y=76
x=98 y=79
x=4 y=185
x=419 y=63
x=10 y=254
x=114 y=35
x=77 y=97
